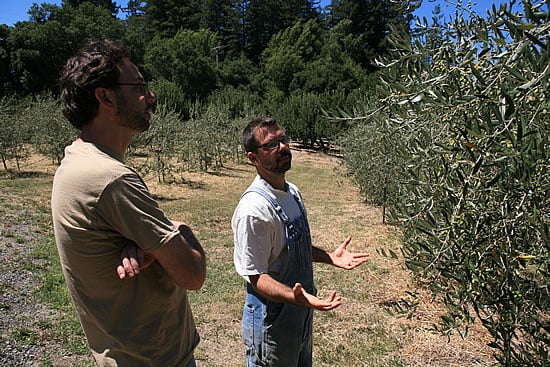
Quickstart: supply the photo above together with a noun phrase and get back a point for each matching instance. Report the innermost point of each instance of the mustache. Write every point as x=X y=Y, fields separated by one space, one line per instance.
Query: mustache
x=285 y=153
x=152 y=107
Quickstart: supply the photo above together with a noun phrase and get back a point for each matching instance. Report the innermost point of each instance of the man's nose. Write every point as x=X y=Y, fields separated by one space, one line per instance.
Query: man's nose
x=151 y=98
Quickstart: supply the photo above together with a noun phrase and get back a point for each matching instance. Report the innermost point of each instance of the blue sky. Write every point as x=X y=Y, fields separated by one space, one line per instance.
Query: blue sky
x=12 y=11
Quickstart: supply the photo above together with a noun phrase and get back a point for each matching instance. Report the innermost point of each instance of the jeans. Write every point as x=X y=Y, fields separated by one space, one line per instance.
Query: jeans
x=284 y=341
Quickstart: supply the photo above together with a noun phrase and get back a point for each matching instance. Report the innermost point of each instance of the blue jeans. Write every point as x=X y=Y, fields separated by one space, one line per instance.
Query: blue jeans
x=277 y=335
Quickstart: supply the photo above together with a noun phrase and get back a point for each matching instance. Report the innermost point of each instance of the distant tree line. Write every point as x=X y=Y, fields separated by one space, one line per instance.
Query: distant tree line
x=284 y=56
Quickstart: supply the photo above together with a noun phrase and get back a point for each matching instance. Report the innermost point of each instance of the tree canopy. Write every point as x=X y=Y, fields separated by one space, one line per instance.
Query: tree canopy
x=259 y=31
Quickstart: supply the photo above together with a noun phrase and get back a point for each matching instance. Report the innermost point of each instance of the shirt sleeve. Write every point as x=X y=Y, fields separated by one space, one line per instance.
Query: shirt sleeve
x=128 y=206
x=253 y=229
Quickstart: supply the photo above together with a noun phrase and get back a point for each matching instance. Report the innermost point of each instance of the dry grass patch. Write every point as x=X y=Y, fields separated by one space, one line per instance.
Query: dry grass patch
x=374 y=327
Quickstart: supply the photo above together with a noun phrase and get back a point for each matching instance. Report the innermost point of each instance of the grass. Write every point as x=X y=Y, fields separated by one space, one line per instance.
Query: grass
x=375 y=326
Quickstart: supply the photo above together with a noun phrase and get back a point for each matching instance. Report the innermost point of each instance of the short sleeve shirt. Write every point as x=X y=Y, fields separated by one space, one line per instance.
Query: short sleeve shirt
x=98 y=205
x=259 y=233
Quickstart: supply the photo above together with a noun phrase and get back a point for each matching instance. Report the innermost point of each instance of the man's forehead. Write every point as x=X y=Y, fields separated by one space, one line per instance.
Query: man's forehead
x=265 y=131
x=129 y=70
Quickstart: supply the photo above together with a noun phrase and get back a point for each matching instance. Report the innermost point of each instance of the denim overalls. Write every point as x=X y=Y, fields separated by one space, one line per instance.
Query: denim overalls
x=280 y=334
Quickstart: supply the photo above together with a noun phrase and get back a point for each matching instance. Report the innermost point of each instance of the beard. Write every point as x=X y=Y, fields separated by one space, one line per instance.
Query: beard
x=284 y=162
x=133 y=119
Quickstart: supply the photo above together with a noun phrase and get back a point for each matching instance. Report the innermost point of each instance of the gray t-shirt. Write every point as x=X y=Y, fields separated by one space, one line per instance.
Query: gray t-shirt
x=258 y=232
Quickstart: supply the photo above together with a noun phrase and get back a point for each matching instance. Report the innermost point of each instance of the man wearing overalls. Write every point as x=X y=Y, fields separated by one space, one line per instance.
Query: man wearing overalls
x=274 y=254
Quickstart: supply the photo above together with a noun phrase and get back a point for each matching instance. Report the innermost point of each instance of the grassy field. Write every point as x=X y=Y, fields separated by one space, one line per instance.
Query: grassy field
x=376 y=326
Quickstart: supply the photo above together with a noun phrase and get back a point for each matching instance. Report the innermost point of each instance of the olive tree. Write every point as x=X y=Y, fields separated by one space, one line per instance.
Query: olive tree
x=50 y=131
x=157 y=148
x=12 y=137
x=473 y=186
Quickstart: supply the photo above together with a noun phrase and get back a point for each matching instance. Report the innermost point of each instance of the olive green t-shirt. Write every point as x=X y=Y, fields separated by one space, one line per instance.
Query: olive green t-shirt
x=98 y=205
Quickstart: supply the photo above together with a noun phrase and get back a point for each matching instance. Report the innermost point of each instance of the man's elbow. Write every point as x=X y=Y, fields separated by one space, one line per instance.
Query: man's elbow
x=192 y=280
x=196 y=282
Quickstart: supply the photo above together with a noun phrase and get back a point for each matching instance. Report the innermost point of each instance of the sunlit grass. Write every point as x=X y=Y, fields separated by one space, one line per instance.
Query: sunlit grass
x=359 y=333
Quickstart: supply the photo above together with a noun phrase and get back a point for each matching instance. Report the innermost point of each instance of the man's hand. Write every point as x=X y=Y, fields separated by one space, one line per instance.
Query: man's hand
x=130 y=258
x=305 y=299
x=279 y=292
x=347 y=260
x=132 y=261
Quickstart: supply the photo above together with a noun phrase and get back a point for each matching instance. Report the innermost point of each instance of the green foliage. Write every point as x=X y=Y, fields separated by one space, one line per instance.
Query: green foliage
x=51 y=132
x=235 y=103
x=226 y=113
x=205 y=142
x=4 y=58
x=473 y=116
x=165 y=18
x=365 y=25
x=224 y=18
x=302 y=118
x=212 y=136
x=90 y=21
x=305 y=58
x=237 y=72
x=186 y=59
x=193 y=53
x=160 y=143
x=106 y=4
x=263 y=19
x=40 y=47
x=171 y=94
x=372 y=156
x=11 y=139
x=289 y=50
x=35 y=61
x=304 y=69
x=38 y=123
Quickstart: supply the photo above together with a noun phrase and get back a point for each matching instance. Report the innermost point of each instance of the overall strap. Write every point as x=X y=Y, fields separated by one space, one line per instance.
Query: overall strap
x=298 y=200
x=272 y=200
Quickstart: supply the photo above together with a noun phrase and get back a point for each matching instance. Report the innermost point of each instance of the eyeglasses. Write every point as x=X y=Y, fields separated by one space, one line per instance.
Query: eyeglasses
x=274 y=144
x=143 y=87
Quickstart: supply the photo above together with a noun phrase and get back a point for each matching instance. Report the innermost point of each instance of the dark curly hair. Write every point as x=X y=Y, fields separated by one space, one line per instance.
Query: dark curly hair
x=249 y=139
x=95 y=65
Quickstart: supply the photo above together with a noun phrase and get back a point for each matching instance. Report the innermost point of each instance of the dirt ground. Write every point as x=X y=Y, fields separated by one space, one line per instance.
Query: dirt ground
x=24 y=339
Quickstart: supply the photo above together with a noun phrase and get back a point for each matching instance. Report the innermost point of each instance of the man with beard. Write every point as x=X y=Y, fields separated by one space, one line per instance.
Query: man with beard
x=274 y=254
x=104 y=216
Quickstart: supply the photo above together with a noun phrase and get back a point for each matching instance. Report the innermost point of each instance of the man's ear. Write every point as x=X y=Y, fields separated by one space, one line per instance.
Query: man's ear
x=104 y=97
x=252 y=157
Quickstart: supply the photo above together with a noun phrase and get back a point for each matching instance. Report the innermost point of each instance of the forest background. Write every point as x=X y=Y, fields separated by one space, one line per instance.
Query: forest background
x=443 y=122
